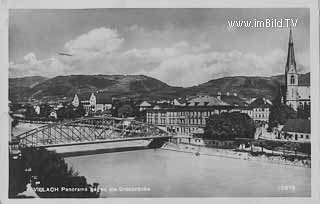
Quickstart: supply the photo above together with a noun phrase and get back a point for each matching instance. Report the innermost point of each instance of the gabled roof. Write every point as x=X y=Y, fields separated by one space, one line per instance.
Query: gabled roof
x=144 y=104
x=297 y=125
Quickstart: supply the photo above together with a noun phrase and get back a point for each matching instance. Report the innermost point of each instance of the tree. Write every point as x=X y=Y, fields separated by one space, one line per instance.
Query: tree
x=80 y=111
x=18 y=178
x=303 y=111
x=45 y=110
x=68 y=112
x=125 y=110
x=280 y=113
x=52 y=171
x=14 y=122
x=30 y=112
x=228 y=126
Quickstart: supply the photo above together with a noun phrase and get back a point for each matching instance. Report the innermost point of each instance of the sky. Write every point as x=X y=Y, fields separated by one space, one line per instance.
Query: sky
x=182 y=47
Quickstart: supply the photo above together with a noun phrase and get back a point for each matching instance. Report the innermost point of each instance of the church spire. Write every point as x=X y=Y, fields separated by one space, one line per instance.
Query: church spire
x=290 y=58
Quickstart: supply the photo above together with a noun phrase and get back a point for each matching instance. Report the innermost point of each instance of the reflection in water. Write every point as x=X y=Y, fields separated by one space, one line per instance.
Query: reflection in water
x=162 y=173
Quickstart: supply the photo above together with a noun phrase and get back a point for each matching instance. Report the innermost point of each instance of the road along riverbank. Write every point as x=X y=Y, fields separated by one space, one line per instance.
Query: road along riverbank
x=228 y=153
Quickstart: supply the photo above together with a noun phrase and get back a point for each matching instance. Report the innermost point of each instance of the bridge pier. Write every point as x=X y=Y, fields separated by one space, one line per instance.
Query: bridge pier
x=157 y=143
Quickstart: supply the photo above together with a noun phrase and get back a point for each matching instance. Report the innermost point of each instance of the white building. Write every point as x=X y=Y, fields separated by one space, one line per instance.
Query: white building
x=93 y=103
x=144 y=105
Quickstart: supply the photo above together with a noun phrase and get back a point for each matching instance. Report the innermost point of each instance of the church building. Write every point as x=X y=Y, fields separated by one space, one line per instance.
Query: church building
x=297 y=95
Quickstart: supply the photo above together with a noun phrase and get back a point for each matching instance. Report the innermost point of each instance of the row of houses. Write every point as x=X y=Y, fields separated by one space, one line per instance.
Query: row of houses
x=190 y=118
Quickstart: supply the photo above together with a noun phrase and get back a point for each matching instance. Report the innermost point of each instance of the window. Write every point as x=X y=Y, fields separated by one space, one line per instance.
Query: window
x=307 y=136
x=301 y=136
x=292 y=80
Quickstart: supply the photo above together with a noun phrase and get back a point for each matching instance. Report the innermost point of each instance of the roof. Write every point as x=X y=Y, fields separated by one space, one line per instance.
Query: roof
x=177 y=102
x=260 y=102
x=144 y=104
x=297 y=125
x=206 y=101
x=233 y=100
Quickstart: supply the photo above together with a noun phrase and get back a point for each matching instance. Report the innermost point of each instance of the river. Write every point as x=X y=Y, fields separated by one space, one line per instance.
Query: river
x=164 y=173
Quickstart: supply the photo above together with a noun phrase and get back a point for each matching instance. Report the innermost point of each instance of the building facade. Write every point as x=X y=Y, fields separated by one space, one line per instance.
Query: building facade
x=296 y=94
x=185 y=120
x=191 y=118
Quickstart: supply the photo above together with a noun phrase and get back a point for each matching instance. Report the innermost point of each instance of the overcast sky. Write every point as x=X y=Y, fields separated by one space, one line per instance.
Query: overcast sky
x=182 y=47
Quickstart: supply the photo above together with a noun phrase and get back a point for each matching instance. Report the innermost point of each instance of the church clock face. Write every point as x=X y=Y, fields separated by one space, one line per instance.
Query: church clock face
x=292 y=68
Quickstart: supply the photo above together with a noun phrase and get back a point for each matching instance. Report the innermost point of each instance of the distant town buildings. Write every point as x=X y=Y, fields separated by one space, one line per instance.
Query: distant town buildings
x=296 y=94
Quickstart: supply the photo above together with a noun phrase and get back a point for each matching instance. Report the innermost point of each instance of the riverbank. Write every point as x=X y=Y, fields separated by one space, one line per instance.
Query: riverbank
x=228 y=153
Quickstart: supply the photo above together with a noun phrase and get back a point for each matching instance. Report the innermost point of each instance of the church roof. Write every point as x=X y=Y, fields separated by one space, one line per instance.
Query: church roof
x=297 y=125
x=290 y=56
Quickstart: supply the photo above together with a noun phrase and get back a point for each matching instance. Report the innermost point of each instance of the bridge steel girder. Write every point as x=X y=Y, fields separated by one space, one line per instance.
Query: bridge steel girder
x=86 y=130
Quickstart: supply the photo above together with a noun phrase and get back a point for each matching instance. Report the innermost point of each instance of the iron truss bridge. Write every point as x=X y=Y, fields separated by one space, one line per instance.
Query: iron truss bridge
x=90 y=131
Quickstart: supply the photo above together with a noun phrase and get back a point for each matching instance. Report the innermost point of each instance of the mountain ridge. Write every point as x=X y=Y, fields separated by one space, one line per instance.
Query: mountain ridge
x=142 y=86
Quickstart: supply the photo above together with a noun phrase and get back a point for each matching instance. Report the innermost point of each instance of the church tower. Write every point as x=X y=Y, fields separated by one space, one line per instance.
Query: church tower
x=291 y=77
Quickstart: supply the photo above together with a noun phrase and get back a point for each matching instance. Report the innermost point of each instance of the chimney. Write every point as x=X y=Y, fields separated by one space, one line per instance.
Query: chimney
x=219 y=95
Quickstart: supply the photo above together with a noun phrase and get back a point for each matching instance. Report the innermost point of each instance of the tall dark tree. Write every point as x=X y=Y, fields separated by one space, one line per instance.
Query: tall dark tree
x=45 y=110
x=80 y=111
x=30 y=112
x=14 y=122
x=18 y=178
x=280 y=113
x=228 y=126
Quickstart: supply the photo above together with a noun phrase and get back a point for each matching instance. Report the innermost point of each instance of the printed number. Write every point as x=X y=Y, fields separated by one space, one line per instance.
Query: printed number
x=286 y=188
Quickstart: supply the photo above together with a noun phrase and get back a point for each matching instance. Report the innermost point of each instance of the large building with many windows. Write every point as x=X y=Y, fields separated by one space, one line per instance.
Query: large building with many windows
x=191 y=118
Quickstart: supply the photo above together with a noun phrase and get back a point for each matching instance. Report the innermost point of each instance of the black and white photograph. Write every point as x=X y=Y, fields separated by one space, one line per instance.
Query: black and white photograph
x=159 y=103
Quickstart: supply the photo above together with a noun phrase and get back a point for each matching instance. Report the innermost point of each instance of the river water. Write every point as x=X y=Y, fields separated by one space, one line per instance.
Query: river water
x=164 y=173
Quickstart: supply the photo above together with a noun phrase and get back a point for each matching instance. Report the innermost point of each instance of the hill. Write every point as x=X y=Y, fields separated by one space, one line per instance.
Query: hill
x=140 y=86
x=246 y=87
x=26 y=81
x=18 y=86
x=107 y=85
